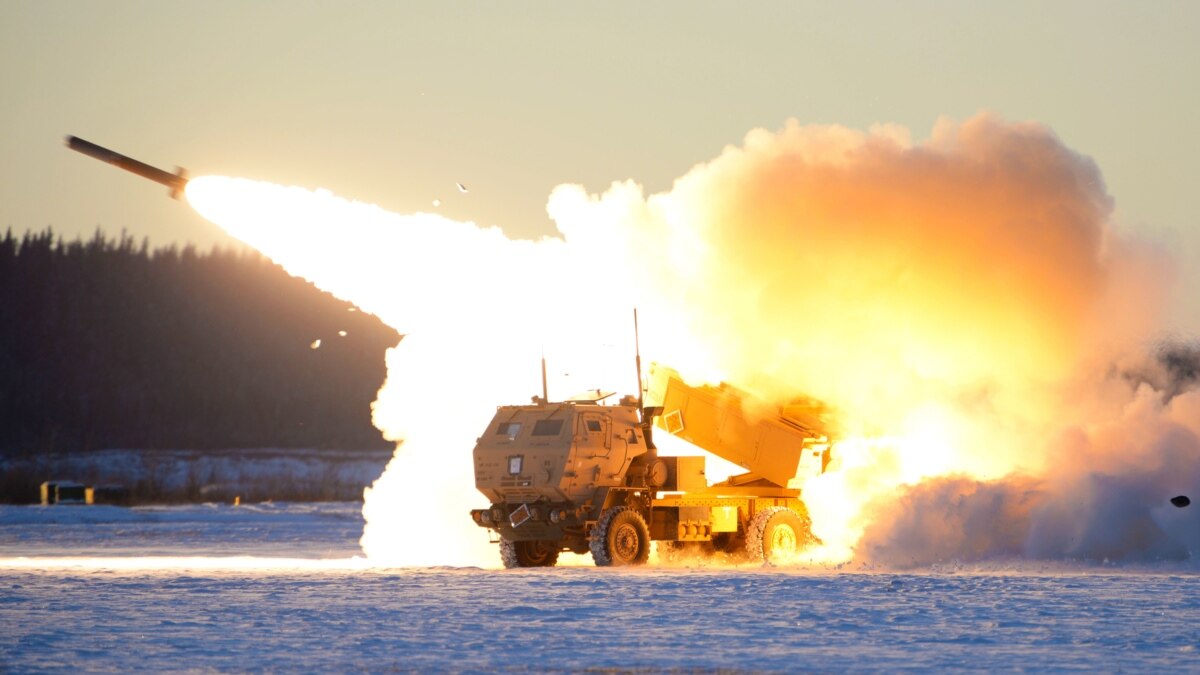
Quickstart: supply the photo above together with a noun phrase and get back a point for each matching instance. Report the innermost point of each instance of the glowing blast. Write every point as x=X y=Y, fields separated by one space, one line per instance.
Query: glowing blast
x=952 y=298
x=476 y=310
x=946 y=296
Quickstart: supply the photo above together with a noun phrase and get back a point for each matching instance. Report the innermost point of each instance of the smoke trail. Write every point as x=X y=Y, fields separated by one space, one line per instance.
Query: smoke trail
x=959 y=300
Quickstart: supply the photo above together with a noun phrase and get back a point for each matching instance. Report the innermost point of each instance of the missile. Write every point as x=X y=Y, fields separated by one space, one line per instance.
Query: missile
x=175 y=181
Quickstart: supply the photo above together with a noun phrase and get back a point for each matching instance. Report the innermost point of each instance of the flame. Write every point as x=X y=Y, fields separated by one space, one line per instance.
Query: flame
x=477 y=310
x=947 y=297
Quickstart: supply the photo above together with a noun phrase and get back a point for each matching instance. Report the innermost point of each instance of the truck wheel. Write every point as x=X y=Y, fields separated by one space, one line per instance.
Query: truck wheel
x=620 y=538
x=528 y=553
x=776 y=534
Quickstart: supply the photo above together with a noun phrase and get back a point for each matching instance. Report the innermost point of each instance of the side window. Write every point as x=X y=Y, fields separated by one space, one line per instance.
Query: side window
x=594 y=425
x=547 y=427
x=510 y=429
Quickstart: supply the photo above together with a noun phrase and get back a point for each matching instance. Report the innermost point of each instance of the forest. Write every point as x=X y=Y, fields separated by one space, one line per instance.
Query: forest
x=106 y=343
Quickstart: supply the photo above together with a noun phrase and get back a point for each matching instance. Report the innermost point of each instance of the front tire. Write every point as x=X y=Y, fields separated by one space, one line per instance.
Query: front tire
x=528 y=553
x=621 y=538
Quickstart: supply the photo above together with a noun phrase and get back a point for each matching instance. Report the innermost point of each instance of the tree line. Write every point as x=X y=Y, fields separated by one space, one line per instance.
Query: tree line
x=105 y=343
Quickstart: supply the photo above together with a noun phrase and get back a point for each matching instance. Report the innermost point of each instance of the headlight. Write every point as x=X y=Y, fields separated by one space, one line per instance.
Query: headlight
x=486 y=517
x=554 y=517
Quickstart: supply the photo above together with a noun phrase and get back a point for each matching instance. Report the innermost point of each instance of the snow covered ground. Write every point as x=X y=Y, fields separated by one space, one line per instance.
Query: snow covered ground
x=276 y=587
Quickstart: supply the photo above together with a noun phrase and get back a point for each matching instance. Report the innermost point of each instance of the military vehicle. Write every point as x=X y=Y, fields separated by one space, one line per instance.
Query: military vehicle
x=582 y=476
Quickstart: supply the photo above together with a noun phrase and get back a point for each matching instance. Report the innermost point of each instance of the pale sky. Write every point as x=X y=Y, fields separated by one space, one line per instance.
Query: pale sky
x=395 y=102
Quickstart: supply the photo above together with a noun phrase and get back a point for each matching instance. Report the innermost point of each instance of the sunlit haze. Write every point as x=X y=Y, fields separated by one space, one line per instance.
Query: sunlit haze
x=395 y=103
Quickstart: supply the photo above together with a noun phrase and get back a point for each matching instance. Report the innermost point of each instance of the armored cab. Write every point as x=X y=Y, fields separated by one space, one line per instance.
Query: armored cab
x=548 y=467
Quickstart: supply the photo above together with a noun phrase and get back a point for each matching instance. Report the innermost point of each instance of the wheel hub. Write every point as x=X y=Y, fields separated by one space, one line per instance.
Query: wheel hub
x=538 y=551
x=625 y=542
x=783 y=540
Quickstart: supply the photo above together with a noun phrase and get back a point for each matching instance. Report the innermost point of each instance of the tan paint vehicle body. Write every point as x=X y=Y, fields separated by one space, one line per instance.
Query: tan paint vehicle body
x=581 y=476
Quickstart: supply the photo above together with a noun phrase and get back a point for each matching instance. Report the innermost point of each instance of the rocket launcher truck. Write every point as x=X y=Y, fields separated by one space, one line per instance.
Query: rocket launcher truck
x=582 y=476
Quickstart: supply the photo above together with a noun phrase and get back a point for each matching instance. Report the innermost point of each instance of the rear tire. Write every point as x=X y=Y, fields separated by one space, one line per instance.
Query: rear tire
x=777 y=534
x=620 y=538
x=528 y=553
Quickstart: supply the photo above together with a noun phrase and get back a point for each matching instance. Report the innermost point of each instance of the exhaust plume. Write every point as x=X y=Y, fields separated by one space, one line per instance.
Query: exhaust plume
x=1106 y=495
x=961 y=301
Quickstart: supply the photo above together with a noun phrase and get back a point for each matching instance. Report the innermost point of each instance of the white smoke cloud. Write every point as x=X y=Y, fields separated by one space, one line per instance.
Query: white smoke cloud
x=1104 y=496
x=959 y=300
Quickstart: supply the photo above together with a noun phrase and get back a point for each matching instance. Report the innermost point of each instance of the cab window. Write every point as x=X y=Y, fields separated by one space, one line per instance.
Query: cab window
x=510 y=429
x=547 y=427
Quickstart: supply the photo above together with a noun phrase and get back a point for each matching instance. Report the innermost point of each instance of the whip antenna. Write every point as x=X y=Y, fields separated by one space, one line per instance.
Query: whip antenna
x=545 y=390
x=637 y=350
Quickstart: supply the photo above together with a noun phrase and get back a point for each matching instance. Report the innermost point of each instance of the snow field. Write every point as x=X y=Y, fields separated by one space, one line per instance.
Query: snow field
x=578 y=618
x=195 y=596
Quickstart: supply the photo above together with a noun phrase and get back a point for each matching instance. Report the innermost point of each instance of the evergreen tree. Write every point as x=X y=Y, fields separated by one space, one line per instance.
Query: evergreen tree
x=109 y=344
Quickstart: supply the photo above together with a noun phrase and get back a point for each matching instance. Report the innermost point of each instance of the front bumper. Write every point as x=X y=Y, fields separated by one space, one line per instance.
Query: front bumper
x=541 y=521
